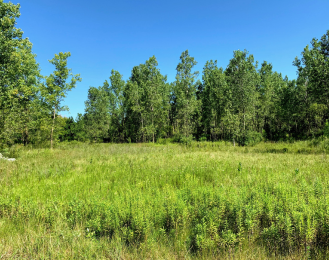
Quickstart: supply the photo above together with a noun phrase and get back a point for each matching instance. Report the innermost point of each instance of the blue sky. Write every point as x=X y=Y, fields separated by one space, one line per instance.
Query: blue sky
x=104 y=35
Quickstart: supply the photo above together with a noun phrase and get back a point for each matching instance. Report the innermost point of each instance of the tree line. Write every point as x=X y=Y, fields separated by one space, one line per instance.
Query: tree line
x=244 y=103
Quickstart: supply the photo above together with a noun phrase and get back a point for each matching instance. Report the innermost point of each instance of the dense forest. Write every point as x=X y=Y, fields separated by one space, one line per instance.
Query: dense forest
x=244 y=103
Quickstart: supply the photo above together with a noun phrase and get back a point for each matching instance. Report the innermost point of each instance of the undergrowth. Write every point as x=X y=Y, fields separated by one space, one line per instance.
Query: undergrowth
x=203 y=200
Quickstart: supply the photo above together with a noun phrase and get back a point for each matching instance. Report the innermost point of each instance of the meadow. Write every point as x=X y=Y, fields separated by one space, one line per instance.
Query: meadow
x=169 y=201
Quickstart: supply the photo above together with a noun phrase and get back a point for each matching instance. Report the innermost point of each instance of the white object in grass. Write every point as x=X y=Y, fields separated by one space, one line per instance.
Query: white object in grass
x=8 y=159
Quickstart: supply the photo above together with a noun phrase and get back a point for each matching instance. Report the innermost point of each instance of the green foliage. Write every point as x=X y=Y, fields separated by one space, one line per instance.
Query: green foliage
x=214 y=95
x=97 y=117
x=240 y=167
x=313 y=69
x=250 y=138
x=11 y=152
x=190 y=199
x=185 y=103
x=179 y=138
x=163 y=141
x=146 y=102
x=55 y=89
x=19 y=74
x=213 y=200
x=187 y=140
x=236 y=104
x=117 y=108
x=242 y=77
x=326 y=129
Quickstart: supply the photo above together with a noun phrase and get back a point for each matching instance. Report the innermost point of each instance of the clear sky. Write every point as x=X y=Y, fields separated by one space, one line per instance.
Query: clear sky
x=104 y=35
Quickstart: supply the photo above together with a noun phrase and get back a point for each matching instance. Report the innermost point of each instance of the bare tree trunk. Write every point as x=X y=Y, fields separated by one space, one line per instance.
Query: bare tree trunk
x=244 y=120
x=26 y=128
x=26 y=135
x=52 y=130
x=143 y=130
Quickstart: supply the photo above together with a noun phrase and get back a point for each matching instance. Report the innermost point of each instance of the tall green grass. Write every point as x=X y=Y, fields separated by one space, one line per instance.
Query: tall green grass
x=128 y=201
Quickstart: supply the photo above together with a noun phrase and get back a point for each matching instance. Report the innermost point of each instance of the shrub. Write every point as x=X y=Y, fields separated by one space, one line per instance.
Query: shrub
x=249 y=138
x=162 y=141
x=12 y=152
x=187 y=140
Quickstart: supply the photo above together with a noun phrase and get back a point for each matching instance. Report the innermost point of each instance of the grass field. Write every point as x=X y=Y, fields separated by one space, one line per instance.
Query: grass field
x=142 y=201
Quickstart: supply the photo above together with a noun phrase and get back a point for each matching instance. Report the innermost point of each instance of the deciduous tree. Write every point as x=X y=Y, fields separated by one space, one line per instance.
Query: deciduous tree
x=56 y=87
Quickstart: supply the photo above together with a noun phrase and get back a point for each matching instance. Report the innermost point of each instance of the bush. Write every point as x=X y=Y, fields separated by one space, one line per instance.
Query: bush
x=162 y=141
x=12 y=152
x=250 y=138
x=187 y=140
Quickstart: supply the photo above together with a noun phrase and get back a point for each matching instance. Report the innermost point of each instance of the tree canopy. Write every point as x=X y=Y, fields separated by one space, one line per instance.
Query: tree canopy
x=242 y=103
